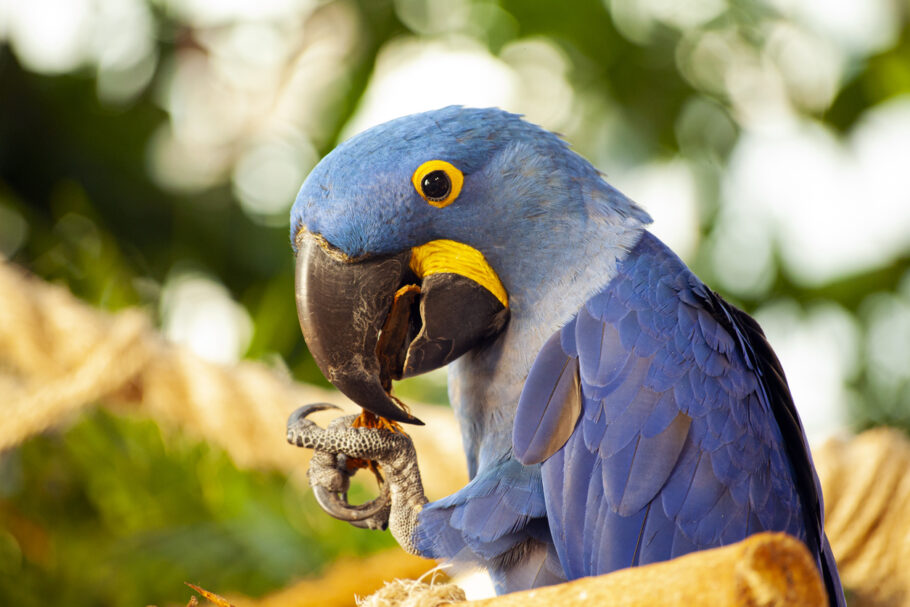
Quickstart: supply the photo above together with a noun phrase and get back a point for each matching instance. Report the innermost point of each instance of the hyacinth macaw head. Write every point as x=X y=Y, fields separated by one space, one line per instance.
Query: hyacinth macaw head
x=416 y=239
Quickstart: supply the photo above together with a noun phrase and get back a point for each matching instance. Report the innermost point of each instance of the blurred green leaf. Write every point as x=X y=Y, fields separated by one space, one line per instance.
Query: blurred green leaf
x=109 y=513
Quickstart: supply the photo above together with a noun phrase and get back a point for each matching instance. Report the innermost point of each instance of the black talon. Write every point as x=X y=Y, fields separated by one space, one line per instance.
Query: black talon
x=306 y=410
x=299 y=417
x=337 y=505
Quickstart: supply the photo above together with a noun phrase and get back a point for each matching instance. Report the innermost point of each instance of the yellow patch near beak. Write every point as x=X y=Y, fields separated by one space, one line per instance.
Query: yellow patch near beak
x=448 y=256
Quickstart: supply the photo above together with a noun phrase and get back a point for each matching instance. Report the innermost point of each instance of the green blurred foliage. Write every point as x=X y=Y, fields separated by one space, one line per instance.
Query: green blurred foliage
x=109 y=512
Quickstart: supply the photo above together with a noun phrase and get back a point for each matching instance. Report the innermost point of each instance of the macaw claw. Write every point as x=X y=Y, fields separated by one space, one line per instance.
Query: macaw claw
x=336 y=448
x=306 y=410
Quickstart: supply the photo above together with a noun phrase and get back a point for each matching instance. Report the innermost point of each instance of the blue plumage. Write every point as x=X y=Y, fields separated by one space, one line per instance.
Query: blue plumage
x=626 y=414
x=678 y=471
x=553 y=398
x=500 y=511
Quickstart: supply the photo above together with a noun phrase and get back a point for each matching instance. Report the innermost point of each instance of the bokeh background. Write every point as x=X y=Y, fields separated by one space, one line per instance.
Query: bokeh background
x=150 y=151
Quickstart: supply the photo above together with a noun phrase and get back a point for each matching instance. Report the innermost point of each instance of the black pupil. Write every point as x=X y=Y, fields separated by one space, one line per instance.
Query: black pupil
x=436 y=185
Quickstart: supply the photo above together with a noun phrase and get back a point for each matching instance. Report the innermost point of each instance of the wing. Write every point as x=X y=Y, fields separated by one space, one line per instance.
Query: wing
x=497 y=520
x=685 y=436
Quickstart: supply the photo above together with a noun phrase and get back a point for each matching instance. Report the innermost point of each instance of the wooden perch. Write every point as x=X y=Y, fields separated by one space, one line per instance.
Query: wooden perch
x=764 y=570
x=866 y=481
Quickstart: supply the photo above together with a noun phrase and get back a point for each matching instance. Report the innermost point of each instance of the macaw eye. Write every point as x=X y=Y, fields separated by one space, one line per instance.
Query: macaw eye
x=438 y=182
x=436 y=186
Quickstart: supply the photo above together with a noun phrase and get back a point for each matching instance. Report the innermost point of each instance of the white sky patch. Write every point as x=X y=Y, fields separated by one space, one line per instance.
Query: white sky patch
x=544 y=95
x=758 y=91
x=49 y=36
x=796 y=69
x=123 y=34
x=881 y=147
x=250 y=106
x=268 y=174
x=430 y=17
x=58 y=36
x=818 y=351
x=667 y=190
x=637 y=19
x=203 y=110
x=887 y=340
x=741 y=251
x=183 y=166
x=219 y=12
x=811 y=66
x=199 y=313
x=415 y=76
x=124 y=49
x=858 y=26
x=706 y=57
x=800 y=180
x=249 y=54
x=838 y=208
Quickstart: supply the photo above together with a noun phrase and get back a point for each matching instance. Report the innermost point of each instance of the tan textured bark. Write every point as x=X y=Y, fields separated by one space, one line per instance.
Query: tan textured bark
x=866 y=482
x=765 y=570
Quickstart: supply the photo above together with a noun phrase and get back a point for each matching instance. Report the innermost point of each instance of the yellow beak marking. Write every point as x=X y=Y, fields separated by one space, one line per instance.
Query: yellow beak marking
x=448 y=256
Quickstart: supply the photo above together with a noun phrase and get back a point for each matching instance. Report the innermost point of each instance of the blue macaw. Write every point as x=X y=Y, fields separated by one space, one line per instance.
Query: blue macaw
x=614 y=410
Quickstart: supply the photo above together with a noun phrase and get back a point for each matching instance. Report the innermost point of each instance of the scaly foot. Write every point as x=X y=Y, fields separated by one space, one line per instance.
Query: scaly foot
x=335 y=449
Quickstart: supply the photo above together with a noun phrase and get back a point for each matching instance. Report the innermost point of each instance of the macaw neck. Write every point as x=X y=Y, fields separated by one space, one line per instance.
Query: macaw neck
x=556 y=279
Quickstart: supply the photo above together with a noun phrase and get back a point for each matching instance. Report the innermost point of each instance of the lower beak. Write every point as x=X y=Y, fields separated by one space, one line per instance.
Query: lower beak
x=372 y=321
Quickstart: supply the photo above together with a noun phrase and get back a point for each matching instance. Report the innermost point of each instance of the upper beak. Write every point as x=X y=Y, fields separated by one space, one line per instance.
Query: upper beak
x=369 y=321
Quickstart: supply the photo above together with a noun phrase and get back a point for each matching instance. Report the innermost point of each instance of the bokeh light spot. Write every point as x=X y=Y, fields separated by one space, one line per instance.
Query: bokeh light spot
x=199 y=313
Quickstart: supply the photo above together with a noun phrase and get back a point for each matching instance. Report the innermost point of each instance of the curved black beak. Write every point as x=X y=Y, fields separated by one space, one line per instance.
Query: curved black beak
x=370 y=321
x=456 y=314
x=342 y=306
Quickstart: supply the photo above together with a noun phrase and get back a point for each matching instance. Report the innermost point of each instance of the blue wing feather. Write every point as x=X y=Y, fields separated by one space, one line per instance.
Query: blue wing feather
x=497 y=520
x=549 y=405
x=687 y=436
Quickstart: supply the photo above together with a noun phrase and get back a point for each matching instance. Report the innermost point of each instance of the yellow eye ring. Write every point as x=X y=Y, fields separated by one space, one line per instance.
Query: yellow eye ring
x=438 y=182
